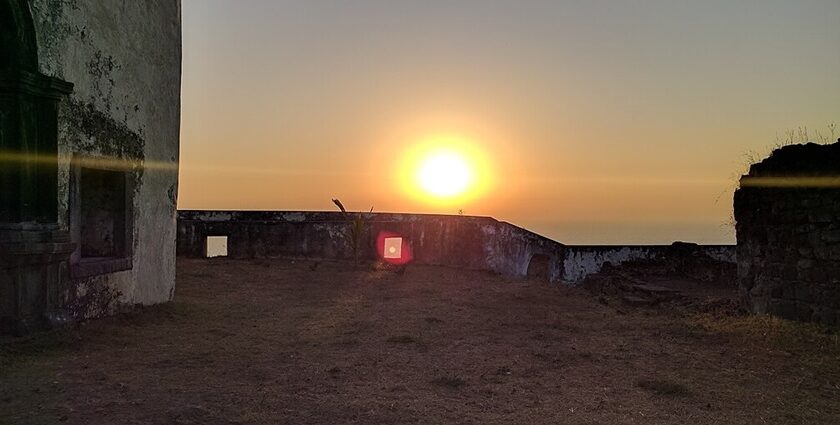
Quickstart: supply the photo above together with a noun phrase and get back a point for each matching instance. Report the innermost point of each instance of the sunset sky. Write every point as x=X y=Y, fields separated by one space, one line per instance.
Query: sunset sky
x=587 y=121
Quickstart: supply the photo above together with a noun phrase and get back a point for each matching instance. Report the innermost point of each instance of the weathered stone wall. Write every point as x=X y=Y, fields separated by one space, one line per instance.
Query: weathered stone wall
x=787 y=211
x=480 y=243
x=582 y=261
x=124 y=59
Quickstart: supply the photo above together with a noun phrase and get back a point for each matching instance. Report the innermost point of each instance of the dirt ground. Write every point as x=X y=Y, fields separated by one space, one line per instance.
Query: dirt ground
x=276 y=341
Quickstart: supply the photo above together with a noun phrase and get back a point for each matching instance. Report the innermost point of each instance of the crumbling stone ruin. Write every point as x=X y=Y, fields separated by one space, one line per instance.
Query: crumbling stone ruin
x=787 y=211
x=89 y=131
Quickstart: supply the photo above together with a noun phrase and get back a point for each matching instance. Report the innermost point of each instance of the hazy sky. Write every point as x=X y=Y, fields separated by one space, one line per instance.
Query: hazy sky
x=600 y=121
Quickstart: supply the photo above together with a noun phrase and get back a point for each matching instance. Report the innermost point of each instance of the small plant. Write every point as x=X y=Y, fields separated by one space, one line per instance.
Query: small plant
x=802 y=135
x=357 y=226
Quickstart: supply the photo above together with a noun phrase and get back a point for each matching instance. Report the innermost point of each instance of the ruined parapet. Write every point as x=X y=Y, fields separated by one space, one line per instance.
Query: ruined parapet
x=585 y=260
x=787 y=213
x=478 y=243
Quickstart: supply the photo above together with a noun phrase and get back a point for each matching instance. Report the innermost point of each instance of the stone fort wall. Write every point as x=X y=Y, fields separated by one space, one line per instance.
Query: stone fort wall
x=787 y=211
x=481 y=243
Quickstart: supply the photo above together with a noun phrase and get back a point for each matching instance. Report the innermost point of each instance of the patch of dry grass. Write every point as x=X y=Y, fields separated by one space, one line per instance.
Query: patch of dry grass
x=817 y=345
x=275 y=341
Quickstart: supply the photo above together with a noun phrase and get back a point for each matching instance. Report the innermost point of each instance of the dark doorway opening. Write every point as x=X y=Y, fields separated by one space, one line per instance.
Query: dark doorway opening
x=103 y=218
x=539 y=267
x=101 y=214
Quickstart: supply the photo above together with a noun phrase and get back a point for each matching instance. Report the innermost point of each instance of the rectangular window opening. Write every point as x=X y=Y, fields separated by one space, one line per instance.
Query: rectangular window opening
x=103 y=214
x=216 y=246
x=101 y=221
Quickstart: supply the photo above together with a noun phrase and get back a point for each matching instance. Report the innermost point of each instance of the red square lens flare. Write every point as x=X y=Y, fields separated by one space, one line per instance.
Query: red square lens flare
x=393 y=248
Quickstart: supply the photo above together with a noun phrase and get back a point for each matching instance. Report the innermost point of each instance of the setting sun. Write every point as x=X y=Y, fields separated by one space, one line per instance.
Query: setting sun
x=445 y=171
x=444 y=174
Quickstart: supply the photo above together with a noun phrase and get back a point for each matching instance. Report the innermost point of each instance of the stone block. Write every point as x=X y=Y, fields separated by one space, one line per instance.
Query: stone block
x=831 y=299
x=804 y=264
x=788 y=290
x=831 y=237
x=828 y=253
x=816 y=275
x=825 y=316
x=789 y=273
x=804 y=293
x=804 y=312
x=822 y=217
x=783 y=308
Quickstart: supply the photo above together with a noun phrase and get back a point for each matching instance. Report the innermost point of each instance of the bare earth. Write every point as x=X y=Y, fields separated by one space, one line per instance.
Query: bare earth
x=274 y=341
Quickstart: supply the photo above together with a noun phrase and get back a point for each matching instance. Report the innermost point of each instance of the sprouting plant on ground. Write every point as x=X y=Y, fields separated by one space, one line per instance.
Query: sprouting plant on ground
x=357 y=226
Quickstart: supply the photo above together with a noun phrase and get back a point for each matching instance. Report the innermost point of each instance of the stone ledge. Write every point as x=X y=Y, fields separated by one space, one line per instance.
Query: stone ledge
x=89 y=268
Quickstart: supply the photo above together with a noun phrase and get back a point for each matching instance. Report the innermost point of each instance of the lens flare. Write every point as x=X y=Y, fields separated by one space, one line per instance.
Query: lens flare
x=393 y=248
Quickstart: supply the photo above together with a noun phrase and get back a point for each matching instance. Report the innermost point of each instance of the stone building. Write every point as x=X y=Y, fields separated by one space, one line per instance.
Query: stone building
x=89 y=133
x=787 y=213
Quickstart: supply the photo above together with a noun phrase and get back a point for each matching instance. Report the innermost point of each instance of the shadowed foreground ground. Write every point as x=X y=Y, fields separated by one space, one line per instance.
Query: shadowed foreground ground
x=278 y=342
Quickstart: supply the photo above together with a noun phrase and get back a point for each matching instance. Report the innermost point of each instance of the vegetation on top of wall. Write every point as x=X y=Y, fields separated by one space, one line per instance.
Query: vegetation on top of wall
x=357 y=226
x=799 y=135
x=795 y=136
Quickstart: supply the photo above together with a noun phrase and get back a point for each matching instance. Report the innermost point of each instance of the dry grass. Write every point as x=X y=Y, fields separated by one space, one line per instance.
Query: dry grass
x=273 y=341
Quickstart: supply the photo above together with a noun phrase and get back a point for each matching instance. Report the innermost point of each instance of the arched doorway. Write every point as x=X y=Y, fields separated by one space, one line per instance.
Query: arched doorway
x=32 y=271
x=18 y=49
x=539 y=268
x=28 y=122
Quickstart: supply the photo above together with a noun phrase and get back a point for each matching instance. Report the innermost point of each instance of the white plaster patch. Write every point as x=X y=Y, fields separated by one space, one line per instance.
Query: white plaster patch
x=218 y=216
x=294 y=217
x=579 y=264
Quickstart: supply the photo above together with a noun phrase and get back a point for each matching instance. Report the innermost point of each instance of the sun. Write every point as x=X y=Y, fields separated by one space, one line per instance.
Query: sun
x=445 y=174
x=444 y=171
